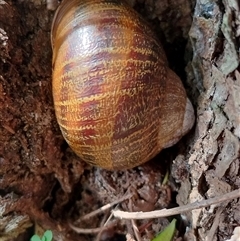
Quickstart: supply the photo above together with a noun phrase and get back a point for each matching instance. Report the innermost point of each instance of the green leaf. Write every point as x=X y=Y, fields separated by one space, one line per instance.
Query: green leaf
x=165 y=179
x=35 y=238
x=48 y=235
x=168 y=233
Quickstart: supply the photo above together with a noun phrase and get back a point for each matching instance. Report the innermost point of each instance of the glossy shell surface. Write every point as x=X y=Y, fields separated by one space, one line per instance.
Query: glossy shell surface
x=116 y=101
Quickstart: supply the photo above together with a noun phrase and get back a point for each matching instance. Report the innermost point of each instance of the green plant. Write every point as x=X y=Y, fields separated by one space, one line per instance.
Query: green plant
x=168 y=233
x=47 y=236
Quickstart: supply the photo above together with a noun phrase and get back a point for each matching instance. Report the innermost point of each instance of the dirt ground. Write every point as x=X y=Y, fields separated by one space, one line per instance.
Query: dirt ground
x=44 y=185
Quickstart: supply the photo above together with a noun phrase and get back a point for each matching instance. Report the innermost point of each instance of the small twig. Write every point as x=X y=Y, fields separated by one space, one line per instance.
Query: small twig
x=215 y=225
x=94 y=213
x=173 y=211
x=92 y=230
x=108 y=220
x=104 y=208
x=104 y=222
x=134 y=225
x=135 y=229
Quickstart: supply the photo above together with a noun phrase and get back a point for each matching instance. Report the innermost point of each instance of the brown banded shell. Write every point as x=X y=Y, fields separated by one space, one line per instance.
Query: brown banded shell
x=117 y=102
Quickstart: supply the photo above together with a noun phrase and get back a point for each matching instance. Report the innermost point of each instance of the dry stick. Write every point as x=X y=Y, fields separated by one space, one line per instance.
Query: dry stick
x=104 y=208
x=104 y=222
x=215 y=225
x=92 y=230
x=134 y=225
x=94 y=213
x=136 y=231
x=173 y=211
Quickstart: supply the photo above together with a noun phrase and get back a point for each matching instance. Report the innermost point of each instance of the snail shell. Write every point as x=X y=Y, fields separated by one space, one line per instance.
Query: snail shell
x=116 y=101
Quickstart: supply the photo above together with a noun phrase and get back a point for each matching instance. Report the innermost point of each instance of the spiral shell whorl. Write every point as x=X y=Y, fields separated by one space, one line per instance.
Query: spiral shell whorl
x=110 y=84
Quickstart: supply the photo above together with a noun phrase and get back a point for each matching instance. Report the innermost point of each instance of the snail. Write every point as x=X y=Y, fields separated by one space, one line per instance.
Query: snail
x=117 y=102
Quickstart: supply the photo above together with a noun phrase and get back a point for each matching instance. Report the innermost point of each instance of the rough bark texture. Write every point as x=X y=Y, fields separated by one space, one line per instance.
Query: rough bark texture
x=214 y=154
x=43 y=183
